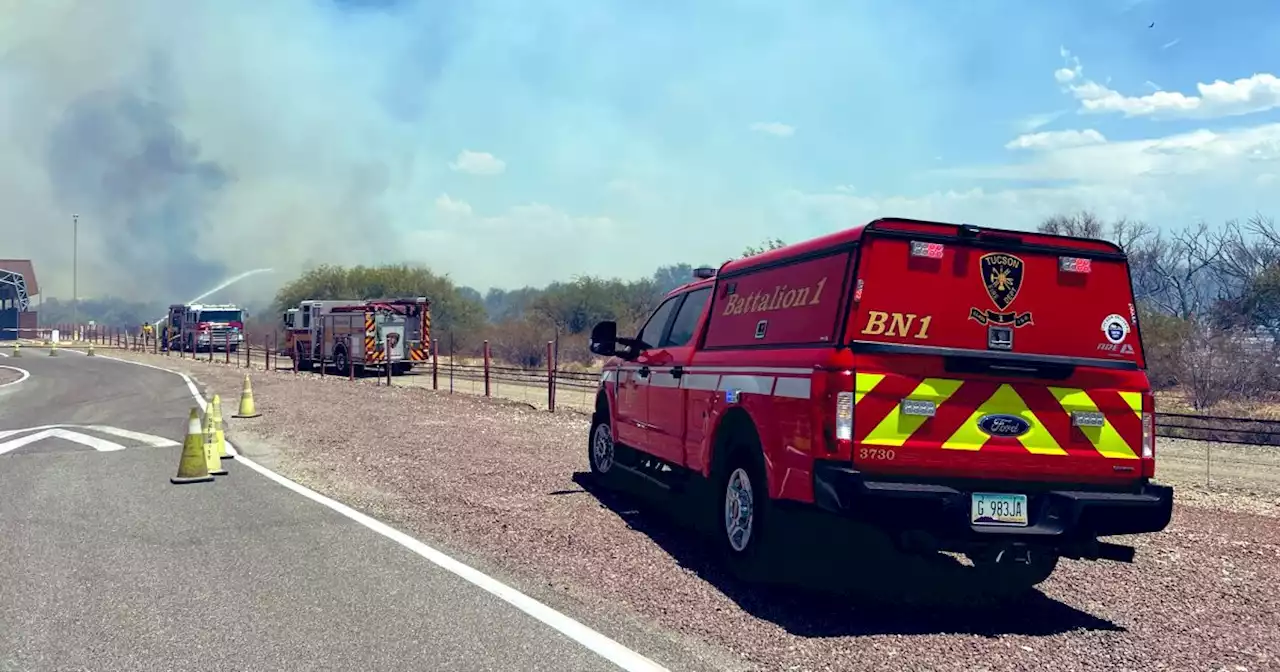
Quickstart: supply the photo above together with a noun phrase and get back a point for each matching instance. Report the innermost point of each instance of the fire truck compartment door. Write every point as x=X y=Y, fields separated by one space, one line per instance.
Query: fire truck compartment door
x=391 y=337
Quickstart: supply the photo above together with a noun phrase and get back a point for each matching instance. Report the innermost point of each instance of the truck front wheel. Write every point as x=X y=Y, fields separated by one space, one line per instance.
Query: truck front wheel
x=601 y=452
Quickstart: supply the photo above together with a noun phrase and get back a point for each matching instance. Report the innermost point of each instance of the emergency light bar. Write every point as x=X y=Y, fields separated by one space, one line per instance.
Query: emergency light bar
x=1074 y=265
x=927 y=250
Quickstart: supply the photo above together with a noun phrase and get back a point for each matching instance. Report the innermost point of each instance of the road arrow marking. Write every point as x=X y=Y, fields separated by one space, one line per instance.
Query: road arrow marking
x=100 y=445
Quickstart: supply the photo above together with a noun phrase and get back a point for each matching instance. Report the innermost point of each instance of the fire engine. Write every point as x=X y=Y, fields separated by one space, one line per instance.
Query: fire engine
x=204 y=326
x=371 y=333
x=952 y=387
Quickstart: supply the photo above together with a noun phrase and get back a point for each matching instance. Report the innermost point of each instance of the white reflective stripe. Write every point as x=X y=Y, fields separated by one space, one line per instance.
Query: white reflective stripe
x=748 y=384
x=796 y=388
x=750 y=369
x=699 y=381
x=790 y=387
x=663 y=379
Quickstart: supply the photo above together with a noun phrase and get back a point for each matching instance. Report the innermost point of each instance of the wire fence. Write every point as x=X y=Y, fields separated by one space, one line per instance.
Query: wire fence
x=550 y=382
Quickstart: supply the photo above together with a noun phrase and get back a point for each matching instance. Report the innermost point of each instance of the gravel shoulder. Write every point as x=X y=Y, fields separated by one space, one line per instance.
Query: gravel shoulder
x=503 y=486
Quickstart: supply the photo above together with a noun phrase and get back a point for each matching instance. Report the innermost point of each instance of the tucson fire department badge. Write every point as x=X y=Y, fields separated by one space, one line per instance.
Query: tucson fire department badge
x=1002 y=278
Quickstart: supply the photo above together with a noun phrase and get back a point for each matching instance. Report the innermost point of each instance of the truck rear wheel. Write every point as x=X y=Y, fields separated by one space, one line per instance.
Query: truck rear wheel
x=340 y=361
x=744 y=512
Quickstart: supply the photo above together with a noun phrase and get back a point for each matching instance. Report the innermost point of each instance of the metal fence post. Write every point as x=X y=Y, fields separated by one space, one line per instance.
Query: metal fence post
x=486 y=368
x=551 y=378
x=435 y=365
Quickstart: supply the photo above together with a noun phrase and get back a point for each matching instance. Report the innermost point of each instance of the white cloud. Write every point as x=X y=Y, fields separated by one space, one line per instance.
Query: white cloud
x=774 y=128
x=1257 y=93
x=1056 y=140
x=1204 y=154
x=478 y=163
x=1005 y=208
x=1171 y=43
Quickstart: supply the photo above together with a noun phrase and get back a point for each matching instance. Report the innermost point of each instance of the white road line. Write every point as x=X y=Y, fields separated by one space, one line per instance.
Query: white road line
x=149 y=439
x=596 y=642
x=25 y=375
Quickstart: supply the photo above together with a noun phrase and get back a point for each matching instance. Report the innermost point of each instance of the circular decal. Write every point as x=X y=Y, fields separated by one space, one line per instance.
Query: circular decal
x=1115 y=328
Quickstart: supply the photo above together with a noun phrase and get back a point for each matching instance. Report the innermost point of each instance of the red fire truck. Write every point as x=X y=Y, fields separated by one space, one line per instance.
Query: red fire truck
x=959 y=388
x=373 y=333
x=204 y=326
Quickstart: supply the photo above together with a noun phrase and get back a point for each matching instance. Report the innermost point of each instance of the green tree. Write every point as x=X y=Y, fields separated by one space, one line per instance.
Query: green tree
x=766 y=246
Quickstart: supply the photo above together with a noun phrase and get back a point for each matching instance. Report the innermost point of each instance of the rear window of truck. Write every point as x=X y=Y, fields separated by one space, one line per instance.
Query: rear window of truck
x=950 y=294
x=794 y=303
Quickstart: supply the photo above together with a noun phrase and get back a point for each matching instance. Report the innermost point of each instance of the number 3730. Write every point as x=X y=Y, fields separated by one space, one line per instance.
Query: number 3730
x=866 y=453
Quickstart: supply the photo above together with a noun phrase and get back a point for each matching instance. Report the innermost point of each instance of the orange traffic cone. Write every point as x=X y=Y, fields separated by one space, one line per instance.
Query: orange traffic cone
x=193 y=466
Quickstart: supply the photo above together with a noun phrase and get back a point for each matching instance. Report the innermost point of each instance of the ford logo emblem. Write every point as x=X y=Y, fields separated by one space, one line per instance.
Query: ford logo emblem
x=1003 y=425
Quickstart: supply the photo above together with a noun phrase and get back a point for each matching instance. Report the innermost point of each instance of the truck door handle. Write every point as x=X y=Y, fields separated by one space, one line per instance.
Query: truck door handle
x=643 y=371
x=677 y=371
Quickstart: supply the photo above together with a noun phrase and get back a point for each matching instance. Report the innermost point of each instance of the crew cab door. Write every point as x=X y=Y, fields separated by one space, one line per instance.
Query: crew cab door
x=634 y=380
x=668 y=399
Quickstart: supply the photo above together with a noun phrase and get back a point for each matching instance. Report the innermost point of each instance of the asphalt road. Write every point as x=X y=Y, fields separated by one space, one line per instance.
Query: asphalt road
x=105 y=565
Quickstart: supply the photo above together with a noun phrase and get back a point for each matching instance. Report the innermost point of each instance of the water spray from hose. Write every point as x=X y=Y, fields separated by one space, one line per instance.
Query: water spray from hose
x=223 y=285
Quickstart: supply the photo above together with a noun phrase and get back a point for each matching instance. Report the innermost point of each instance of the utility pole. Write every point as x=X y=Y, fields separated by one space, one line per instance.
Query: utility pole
x=75 y=266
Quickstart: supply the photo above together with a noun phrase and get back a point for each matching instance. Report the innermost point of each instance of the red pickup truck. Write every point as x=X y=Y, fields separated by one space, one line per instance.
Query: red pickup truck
x=962 y=389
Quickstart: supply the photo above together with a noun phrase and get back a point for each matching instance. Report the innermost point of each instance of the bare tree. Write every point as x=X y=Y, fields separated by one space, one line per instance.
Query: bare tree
x=1178 y=274
x=1083 y=224
x=1249 y=250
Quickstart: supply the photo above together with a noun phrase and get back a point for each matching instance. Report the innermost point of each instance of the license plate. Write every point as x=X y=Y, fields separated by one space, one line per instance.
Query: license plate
x=990 y=508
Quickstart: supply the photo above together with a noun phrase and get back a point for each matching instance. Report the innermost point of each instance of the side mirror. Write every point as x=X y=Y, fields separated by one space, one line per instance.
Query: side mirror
x=604 y=339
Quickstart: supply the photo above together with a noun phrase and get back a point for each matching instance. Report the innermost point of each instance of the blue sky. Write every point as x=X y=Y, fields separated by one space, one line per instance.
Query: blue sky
x=511 y=143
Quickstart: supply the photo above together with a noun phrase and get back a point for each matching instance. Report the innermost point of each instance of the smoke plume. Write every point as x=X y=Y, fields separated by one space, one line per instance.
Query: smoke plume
x=197 y=140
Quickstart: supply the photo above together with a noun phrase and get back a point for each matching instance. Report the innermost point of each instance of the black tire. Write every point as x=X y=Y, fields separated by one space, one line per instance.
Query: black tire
x=340 y=361
x=602 y=453
x=743 y=513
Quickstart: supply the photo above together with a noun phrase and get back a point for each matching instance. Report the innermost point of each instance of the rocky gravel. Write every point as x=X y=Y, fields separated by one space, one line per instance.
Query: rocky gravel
x=503 y=485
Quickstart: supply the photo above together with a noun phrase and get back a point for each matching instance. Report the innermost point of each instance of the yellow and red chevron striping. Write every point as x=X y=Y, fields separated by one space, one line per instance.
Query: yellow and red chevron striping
x=960 y=404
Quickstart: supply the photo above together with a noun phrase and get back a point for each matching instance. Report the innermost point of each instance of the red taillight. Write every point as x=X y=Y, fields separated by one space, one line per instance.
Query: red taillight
x=834 y=420
x=927 y=250
x=1148 y=436
x=1074 y=265
x=844 y=423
